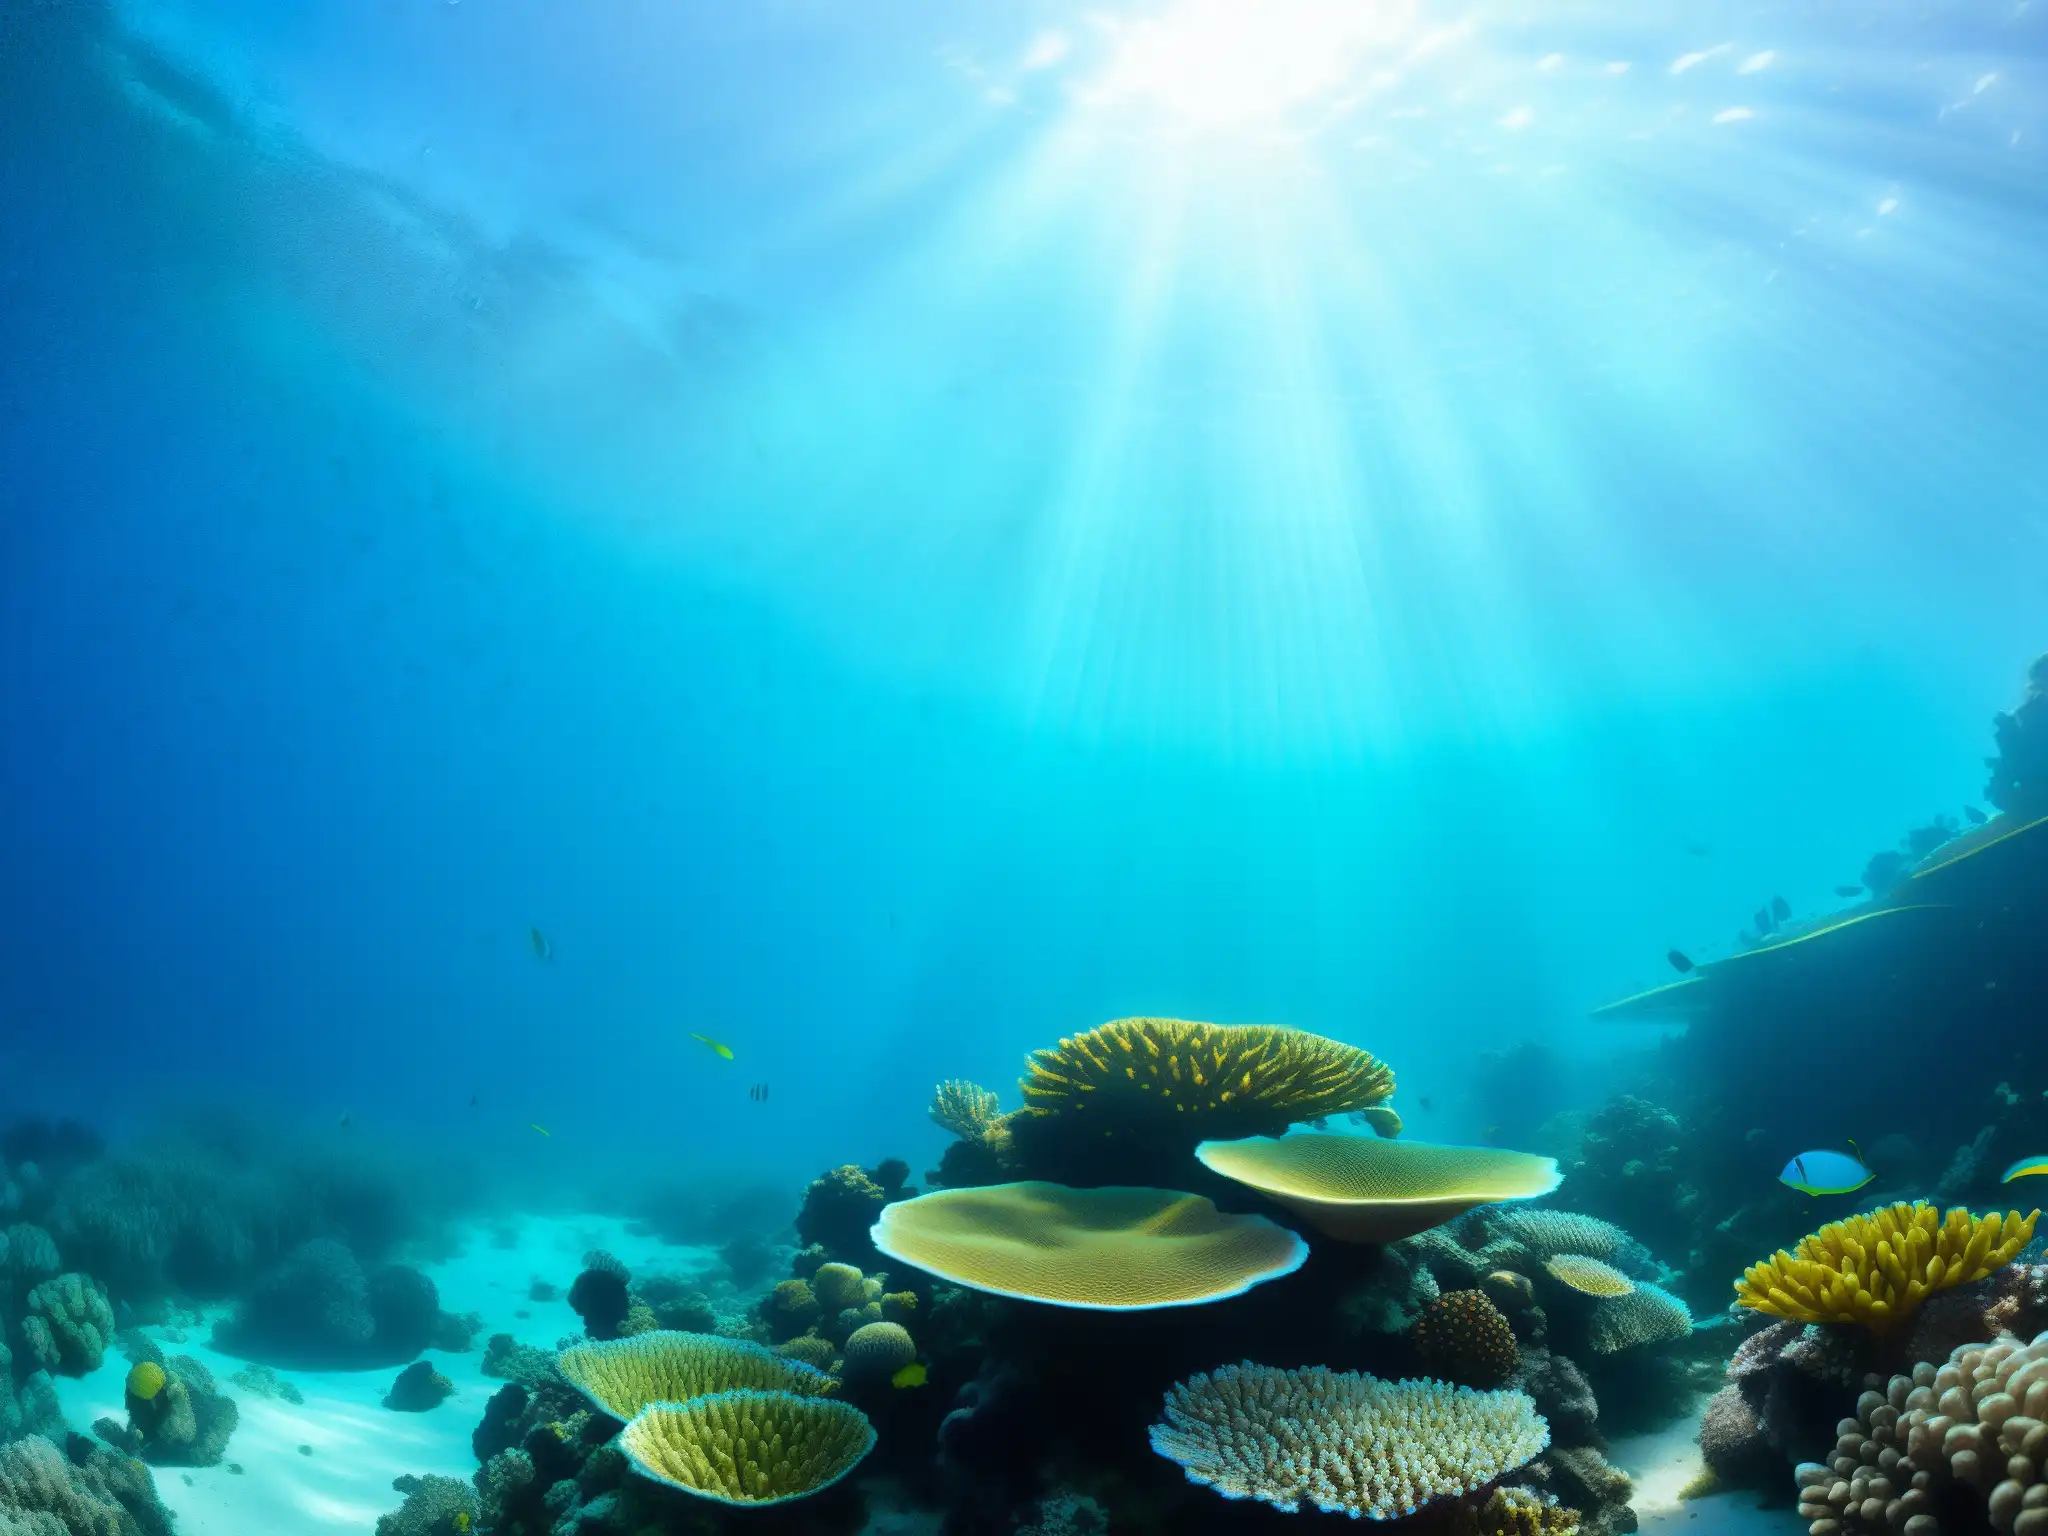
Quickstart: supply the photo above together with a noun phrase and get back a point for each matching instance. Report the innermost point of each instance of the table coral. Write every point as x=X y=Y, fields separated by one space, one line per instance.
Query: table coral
x=1344 y=1442
x=748 y=1447
x=624 y=1376
x=1876 y=1269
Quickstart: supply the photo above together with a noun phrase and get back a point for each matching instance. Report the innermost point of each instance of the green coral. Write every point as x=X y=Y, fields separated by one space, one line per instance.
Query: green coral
x=69 y=1325
x=748 y=1447
x=623 y=1376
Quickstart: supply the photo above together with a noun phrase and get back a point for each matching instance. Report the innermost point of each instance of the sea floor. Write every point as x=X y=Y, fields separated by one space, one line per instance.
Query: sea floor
x=327 y=1464
x=1664 y=1462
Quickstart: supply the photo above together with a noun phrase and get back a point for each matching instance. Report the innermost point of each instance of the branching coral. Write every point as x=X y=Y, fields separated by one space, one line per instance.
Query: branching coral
x=1462 y=1337
x=966 y=1109
x=747 y=1447
x=1972 y=1426
x=1205 y=1080
x=1345 y=1442
x=1876 y=1269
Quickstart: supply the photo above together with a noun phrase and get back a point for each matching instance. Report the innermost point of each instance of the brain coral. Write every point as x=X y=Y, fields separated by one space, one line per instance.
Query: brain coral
x=1365 y=1189
x=1587 y=1275
x=1346 y=1443
x=1648 y=1314
x=1462 y=1336
x=1114 y=1249
x=839 y=1286
x=810 y=1349
x=625 y=1375
x=1945 y=1436
x=879 y=1349
x=1200 y=1079
x=1876 y=1269
x=748 y=1447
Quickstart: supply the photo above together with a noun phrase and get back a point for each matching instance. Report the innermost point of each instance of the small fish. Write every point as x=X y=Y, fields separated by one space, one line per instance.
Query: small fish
x=722 y=1050
x=344 y=1122
x=758 y=1093
x=2025 y=1167
x=1428 y=1107
x=542 y=949
x=1825 y=1173
x=1780 y=908
x=1848 y=890
x=544 y=1131
x=1974 y=816
x=912 y=1375
x=461 y=1522
x=472 y=1101
x=1763 y=921
x=1681 y=962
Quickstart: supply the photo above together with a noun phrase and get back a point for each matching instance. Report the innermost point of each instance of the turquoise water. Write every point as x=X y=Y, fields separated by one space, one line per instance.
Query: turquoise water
x=885 y=537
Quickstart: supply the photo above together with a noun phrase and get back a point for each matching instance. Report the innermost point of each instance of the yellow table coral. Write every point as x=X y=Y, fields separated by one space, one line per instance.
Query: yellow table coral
x=1877 y=1268
x=748 y=1447
x=625 y=1375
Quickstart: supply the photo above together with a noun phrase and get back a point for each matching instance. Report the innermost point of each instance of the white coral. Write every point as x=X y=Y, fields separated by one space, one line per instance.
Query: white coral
x=1345 y=1442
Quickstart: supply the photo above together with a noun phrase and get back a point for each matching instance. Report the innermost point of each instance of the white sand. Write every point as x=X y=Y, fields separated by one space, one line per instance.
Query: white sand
x=357 y=1445
x=1664 y=1462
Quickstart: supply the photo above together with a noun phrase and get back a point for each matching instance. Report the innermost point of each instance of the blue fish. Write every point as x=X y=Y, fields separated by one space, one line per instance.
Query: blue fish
x=1825 y=1173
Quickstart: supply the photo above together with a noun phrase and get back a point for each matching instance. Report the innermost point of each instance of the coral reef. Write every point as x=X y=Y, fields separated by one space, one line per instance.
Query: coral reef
x=838 y=1209
x=1462 y=1337
x=1365 y=1189
x=1970 y=1428
x=1647 y=1314
x=622 y=1377
x=506 y=1359
x=419 y=1387
x=1161 y=1085
x=317 y=1309
x=1630 y=1167
x=748 y=1447
x=434 y=1506
x=91 y=1492
x=177 y=1416
x=1116 y=1249
x=262 y=1381
x=1514 y=1512
x=2019 y=773
x=1876 y=1269
x=1341 y=1441
x=69 y=1325
x=599 y=1295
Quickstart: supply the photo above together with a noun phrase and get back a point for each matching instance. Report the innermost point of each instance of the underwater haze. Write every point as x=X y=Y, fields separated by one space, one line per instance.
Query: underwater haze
x=596 y=597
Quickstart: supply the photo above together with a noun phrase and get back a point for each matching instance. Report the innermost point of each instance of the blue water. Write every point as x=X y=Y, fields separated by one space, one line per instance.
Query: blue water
x=891 y=535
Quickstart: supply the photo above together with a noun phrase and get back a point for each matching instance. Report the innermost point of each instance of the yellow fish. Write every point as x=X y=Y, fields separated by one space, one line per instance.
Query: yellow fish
x=544 y=1131
x=912 y=1375
x=723 y=1050
x=2025 y=1167
x=461 y=1521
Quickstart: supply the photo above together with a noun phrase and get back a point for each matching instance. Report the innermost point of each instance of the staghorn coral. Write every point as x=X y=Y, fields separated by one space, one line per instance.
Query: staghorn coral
x=1115 y=1249
x=1342 y=1442
x=878 y=1349
x=1587 y=1276
x=1364 y=1189
x=624 y=1376
x=69 y=1325
x=1648 y=1314
x=1202 y=1080
x=747 y=1447
x=968 y=1110
x=1970 y=1428
x=1462 y=1337
x=1876 y=1269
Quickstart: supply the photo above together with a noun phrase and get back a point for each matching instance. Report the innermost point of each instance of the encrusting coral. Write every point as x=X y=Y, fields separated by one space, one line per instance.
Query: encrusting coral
x=1877 y=1268
x=747 y=1447
x=1972 y=1427
x=1204 y=1080
x=1113 y=1249
x=623 y=1376
x=1462 y=1337
x=1365 y=1189
x=1347 y=1443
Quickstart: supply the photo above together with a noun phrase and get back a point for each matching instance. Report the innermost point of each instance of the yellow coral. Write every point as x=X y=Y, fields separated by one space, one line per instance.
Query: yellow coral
x=1208 y=1079
x=747 y=1447
x=146 y=1380
x=838 y=1287
x=622 y=1377
x=1587 y=1275
x=966 y=1109
x=1876 y=1269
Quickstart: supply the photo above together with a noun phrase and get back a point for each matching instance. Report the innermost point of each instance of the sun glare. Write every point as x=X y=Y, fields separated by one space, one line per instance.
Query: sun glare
x=1226 y=62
